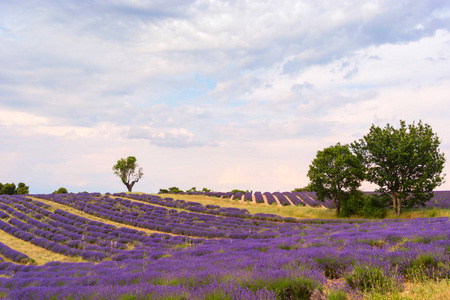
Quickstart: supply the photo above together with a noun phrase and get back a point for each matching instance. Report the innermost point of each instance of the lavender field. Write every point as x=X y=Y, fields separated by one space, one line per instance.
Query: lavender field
x=440 y=199
x=129 y=246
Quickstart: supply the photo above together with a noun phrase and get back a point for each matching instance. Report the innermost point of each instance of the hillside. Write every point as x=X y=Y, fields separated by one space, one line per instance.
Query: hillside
x=139 y=246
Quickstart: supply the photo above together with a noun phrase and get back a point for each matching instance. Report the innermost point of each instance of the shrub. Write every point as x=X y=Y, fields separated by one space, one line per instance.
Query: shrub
x=366 y=205
x=61 y=190
x=367 y=278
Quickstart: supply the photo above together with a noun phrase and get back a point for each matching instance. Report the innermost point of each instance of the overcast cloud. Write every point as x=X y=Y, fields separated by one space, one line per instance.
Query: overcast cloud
x=217 y=94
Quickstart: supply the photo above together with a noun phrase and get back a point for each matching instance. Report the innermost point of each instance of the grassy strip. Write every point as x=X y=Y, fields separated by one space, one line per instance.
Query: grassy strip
x=300 y=212
x=148 y=203
x=420 y=213
x=303 y=212
x=39 y=255
x=436 y=290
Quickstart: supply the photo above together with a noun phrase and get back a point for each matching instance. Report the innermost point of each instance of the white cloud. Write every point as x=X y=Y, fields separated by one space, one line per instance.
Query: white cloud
x=10 y=118
x=267 y=83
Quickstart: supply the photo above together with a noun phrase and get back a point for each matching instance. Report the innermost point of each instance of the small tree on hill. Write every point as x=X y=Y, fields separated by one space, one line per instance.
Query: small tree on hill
x=61 y=190
x=405 y=163
x=334 y=173
x=192 y=190
x=128 y=171
x=175 y=190
x=22 y=189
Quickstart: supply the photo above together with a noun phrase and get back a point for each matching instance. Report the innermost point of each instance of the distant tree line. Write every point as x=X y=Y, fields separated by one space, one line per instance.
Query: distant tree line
x=11 y=189
x=176 y=190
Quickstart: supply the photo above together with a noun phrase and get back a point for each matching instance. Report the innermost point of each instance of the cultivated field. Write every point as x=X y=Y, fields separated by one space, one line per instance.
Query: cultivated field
x=140 y=246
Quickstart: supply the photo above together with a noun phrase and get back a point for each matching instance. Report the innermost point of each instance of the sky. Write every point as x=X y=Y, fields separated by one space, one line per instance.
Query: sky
x=210 y=93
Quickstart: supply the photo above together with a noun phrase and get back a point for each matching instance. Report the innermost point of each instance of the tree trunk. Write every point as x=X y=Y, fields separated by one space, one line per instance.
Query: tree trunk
x=396 y=204
x=394 y=201
x=129 y=186
x=336 y=204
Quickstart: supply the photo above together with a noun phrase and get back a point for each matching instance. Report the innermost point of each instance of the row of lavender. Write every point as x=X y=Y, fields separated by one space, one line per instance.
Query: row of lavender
x=68 y=234
x=301 y=258
x=71 y=235
x=440 y=199
x=276 y=198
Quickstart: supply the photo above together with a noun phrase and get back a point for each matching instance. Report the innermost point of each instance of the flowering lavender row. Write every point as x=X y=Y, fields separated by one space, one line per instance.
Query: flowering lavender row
x=441 y=199
x=13 y=255
x=71 y=235
x=217 y=210
x=250 y=268
x=188 y=205
x=170 y=221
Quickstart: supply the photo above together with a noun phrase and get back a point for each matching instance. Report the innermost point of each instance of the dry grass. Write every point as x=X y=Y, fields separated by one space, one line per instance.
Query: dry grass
x=300 y=212
x=435 y=290
x=39 y=255
x=420 y=213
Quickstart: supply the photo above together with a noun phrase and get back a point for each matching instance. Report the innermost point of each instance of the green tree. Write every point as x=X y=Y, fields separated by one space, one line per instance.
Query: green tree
x=8 y=189
x=175 y=190
x=405 y=163
x=22 y=189
x=192 y=190
x=61 y=190
x=128 y=171
x=334 y=173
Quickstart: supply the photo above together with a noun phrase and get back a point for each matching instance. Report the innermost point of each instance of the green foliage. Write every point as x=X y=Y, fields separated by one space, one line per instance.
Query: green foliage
x=175 y=190
x=192 y=190
x=405 y=163
x=370 y=206
x=299 y=288
x=335 y=172
x=366 y=278
x=128 y=171
x=8 y=189
x=205 y=190
x=163 y=191
x=241 y=191
x=336 y=295
x=332 y=266
x=61 y=190
x=22 y=189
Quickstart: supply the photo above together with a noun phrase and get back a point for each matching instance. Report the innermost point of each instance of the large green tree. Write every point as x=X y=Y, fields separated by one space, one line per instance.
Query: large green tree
x=128 y=171
x=334 y=173
x=406 y=162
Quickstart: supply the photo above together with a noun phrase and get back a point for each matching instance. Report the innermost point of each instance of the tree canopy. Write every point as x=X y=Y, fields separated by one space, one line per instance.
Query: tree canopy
x=335 y=172
x=128 y=171
x=406 y=162
x=61 y=190
x=11 y=189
